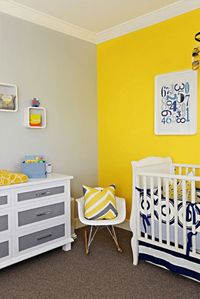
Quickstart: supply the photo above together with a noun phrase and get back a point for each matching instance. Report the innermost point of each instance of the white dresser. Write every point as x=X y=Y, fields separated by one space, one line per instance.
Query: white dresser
x=34 y=218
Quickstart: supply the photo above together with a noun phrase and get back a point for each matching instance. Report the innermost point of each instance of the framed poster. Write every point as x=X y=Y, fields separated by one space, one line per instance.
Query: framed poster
x=176 y=103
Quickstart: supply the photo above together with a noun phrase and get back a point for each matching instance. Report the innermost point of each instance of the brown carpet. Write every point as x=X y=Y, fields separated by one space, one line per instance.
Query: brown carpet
x=104 y=273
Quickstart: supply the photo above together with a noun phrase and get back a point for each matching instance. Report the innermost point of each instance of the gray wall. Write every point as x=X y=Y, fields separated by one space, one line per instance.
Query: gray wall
x=61 y=70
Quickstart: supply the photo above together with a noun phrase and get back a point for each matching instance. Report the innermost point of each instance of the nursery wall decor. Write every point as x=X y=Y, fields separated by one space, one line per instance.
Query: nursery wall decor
x=176 y=103
x=35 y=116
x=8 y=97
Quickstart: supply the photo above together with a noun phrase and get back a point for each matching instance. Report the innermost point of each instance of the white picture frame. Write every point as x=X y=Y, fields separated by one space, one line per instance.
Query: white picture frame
x=8 y=97
x=175 y=111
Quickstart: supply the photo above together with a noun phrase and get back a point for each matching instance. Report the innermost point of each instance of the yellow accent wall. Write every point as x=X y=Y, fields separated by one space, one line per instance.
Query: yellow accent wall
x=126 y=69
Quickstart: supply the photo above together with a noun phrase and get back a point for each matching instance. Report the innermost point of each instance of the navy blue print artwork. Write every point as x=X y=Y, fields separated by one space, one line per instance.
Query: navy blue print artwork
x=176 y=103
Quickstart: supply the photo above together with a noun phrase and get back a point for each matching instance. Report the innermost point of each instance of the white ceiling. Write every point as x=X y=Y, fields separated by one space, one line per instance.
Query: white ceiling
x=96 y=15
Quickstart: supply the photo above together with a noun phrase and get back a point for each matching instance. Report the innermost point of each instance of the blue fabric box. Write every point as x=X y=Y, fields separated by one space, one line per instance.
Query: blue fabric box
x=34 y=170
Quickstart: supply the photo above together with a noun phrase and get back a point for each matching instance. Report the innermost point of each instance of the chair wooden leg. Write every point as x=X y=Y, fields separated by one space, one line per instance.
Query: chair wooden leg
x=86 y=242
x=89 y=238
x=116 y=240
x=114 y=237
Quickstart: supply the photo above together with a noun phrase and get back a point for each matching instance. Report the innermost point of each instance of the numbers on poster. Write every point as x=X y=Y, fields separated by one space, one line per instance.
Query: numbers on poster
x=175 y=103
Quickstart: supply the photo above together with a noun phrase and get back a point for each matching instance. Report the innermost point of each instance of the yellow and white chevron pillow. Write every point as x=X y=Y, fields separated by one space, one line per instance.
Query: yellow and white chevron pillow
x=100 y=204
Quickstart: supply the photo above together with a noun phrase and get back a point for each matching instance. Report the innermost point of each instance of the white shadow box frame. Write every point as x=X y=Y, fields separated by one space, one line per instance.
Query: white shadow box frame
x=176 y=103
x=8 y=97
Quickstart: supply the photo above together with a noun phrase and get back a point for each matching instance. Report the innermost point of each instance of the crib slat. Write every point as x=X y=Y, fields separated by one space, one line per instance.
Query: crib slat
x=138 y=209
x=180 y=170
x=193 y=193
x=175 y=214
x=186 y=170
x=167 y=210
x=152 y=210
x=173 y=169
x=160 y=210
x=184 y=215
x=144 y=186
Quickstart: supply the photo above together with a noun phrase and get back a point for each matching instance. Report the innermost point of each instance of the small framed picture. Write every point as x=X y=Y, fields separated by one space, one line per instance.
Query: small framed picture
x=176 y=103
x=8 y=97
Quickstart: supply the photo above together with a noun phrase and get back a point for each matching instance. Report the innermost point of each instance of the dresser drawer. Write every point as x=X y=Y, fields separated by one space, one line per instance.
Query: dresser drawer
x=42 y=213
x=41 y=237
x=40 y=193
x=3 y=223
x=4 y=249
x=3 y=200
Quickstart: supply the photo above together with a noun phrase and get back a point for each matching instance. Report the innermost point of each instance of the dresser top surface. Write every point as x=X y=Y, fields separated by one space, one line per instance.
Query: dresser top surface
x=50 y=178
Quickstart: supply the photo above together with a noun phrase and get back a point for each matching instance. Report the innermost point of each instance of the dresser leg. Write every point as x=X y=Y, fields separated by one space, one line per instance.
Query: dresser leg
x=67 y=247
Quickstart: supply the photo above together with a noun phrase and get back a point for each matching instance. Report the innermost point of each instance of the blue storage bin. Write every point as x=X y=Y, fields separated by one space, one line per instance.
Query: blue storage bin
x=34 y=170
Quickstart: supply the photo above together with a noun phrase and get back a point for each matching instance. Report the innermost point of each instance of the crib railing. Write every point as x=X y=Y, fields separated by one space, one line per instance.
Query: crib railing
x=168 y=222
x=185 y=169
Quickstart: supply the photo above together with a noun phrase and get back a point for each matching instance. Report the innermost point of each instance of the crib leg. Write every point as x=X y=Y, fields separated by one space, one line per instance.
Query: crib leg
x=134 y=245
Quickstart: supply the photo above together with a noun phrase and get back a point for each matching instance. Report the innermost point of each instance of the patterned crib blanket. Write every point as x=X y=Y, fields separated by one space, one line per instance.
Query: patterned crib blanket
x=192 y=213
x=192 y=209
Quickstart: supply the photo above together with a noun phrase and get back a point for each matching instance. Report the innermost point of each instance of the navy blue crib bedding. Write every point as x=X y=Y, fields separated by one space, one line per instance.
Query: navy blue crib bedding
x=161 y=256
x=192 y=210
x=170 y=260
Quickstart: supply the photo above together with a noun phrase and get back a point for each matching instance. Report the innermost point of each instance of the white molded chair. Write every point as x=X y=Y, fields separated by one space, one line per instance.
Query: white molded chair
x=121 y=209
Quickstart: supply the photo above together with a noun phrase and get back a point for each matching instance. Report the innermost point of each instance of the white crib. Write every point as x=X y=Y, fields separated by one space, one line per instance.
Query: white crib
x=166 y=230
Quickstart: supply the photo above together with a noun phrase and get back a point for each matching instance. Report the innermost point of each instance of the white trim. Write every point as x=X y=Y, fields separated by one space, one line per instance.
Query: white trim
x=78 y=224
x=156 y=16
x=125 y=225
x=34 y=16
x=15 y=9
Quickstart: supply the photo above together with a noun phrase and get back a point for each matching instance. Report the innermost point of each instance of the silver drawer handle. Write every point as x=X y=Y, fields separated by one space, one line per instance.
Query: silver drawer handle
x=43 y=193
x=44 y=213
x=44 y=237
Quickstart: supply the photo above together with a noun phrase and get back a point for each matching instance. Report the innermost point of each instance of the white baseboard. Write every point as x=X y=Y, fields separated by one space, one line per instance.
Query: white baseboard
x=78 y=224
x=125 y=225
